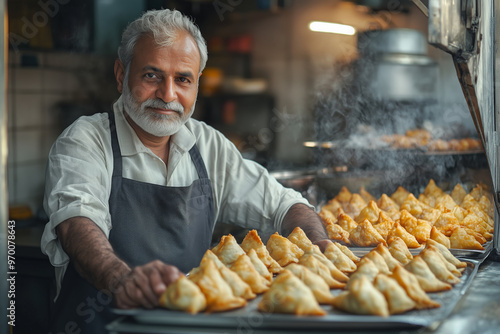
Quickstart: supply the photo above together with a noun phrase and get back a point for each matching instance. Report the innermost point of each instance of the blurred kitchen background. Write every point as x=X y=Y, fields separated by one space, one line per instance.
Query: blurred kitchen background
x=271 y=83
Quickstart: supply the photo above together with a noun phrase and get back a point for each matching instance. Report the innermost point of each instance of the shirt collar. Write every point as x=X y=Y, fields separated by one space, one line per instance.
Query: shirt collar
x=130 y=144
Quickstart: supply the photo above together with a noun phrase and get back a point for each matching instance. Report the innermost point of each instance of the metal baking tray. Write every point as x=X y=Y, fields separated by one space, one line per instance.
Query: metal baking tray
x=249 y=318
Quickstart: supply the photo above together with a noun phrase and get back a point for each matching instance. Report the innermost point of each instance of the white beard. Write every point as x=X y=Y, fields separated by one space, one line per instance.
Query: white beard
x=158 y=125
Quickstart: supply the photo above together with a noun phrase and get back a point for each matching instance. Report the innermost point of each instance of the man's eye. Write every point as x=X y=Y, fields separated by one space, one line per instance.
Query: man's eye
x=183 y=79
x=150 y=75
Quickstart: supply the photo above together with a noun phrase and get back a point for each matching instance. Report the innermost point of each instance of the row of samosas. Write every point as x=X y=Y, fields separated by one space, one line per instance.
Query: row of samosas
x=421 y=138
x=457 y=219
x=389 y=278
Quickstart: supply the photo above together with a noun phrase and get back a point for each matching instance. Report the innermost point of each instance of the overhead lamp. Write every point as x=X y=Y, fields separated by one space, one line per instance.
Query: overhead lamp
x=333 y=28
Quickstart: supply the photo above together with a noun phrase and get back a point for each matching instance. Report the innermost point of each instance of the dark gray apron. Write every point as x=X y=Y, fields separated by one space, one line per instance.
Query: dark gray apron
x=172 y=224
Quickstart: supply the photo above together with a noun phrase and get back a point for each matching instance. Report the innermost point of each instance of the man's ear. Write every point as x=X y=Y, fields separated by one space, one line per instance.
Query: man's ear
x=119 y=74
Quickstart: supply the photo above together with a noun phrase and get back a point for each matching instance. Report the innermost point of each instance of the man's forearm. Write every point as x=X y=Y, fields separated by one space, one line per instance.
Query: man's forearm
x=91 y=253
x=300 y=215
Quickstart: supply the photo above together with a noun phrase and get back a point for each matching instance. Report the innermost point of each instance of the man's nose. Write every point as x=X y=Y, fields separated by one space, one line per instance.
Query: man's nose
x=167 y=90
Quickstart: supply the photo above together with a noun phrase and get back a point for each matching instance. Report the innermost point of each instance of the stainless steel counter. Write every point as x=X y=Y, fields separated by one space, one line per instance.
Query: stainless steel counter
x=477 y=312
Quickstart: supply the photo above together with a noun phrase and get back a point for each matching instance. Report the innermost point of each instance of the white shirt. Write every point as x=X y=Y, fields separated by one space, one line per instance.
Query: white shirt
x=80 y=167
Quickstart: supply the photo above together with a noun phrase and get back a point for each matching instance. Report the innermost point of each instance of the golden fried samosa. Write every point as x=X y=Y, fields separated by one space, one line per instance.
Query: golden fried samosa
x=313 y=264
x=396 y=297
x=283 y=250
x=432 y=190
x=362 y=298
x=378 y=260
x=447 y=254
x=460 y=239
x=244 y=267
x=327 y=216
x=446 y=200
x=288 y=294
x=339 y=259
x=347 y=252
x=239 y=287
x=183 y=295
x=438 y=267
x=399 y=196
x=366 y=268
x=299 y=237
x=316 y=283
x=420 y=229
x=253 y=241
x=346 y=222
x=228 y=250
x=458 y=193
x=217 y=291
x=259 y=266
x=426 y=278
x=335 y=232
x=365 y=235
x=344 y=195
x=334 y=271
x=384 y=225
x=439 y=237
x=409 y=282
x=332 y=206
x=399 y=250
x=387 y=204
x=370 y=212
x=451 y=267
x=387 y=256
x=355 y=205
x=400 y=232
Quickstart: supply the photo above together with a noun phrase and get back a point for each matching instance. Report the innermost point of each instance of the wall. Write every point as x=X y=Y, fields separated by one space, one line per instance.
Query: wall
x=35 y=96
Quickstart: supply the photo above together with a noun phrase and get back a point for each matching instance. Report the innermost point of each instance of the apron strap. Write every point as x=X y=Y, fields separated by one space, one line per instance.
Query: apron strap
x=117 y=154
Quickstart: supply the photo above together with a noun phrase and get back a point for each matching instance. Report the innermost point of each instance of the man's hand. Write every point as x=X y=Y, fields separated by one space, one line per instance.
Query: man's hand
x=143 y=286
x=94 y=259
x=300 y=215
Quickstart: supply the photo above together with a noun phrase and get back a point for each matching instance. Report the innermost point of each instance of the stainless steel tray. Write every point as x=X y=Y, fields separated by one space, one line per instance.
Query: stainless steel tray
x=248 y=318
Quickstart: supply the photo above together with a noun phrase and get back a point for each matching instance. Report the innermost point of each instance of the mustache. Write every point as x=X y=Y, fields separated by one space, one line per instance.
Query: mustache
x=157 y=103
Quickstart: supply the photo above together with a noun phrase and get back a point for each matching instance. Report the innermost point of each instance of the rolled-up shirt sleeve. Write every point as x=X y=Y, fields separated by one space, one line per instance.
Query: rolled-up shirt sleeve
x=78 y=183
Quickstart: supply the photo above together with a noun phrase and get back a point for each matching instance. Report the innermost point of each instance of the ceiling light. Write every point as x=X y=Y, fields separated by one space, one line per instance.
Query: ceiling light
x=334 y=28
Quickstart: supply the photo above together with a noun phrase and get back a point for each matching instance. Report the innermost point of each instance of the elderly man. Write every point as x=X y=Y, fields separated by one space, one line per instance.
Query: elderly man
x=133 y=195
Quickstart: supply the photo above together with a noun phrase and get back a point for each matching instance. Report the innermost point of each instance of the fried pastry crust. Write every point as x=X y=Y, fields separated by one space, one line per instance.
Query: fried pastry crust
x=283 y=250
x=460 y=239
x=313 y=264
x=228 y=250
x=183 y=295
x=253 y=241
x=335 y=232
x=365 y=235
x=339 y=259
x=387 y=256
x=396 y=297
x=316 y=283
x=288 y=294
x=370 y=212
x=410 y=283
x=426 y=278
x=400 y=232
x=362 y=298
x=399 y=250
x=244 y=267
x=217 y=291
x=299 y=238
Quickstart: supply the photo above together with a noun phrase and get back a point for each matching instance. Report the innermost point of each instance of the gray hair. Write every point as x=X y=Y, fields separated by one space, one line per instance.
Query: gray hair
x=164 y=24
